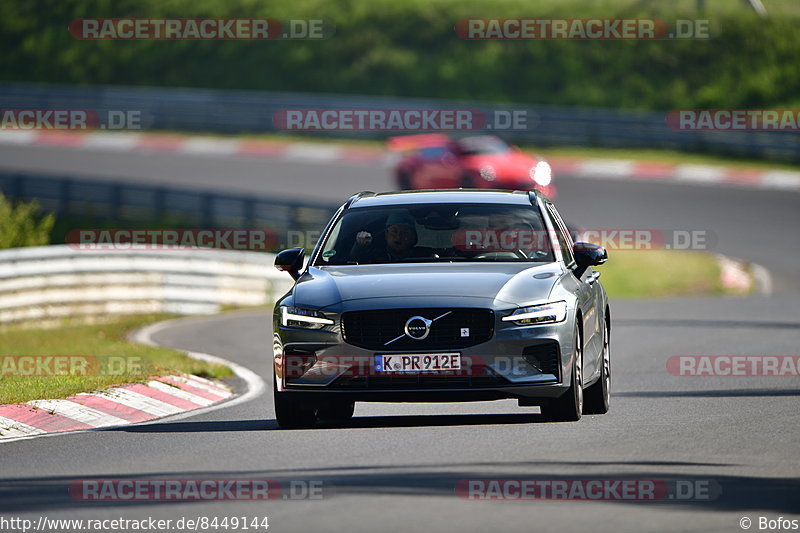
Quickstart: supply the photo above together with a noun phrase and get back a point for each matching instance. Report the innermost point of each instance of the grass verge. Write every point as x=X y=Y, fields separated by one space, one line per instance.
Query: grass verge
x=112 y=359
x=661 y=273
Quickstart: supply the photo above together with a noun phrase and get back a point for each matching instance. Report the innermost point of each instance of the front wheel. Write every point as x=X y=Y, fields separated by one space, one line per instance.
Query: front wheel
x=291 y=413
x=598 y=396
x=569 y=406
x=337 y=411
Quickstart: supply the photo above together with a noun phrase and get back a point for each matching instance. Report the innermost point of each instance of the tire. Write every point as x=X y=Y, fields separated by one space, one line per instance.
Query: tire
x=467 y=182
x=569 y=407
x=598 y=396
x=337 y=411
x=291 y=414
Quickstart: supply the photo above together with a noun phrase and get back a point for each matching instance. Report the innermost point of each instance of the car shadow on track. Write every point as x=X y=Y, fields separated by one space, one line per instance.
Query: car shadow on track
x=733 y=493
x=358 y=422
x=732 y=393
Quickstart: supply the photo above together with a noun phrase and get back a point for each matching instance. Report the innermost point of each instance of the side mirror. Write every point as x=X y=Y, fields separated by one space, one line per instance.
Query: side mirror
x=290 y=261
x=588 y=254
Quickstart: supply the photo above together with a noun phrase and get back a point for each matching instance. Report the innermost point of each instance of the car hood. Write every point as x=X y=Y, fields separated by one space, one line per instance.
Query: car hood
x=484 y=284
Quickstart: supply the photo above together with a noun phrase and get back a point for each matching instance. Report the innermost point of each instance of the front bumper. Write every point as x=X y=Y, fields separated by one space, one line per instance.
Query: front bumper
x=527 y=363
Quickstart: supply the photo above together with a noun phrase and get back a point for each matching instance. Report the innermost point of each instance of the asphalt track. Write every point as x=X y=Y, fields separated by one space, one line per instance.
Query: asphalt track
x=396 y=466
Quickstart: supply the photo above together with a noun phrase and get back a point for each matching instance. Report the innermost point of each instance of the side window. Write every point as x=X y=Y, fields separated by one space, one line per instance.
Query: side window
x=564 y=239
x=328 y=252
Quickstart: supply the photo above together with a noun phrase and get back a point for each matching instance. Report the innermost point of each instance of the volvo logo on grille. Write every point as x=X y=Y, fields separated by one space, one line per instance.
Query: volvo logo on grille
x=418 y=327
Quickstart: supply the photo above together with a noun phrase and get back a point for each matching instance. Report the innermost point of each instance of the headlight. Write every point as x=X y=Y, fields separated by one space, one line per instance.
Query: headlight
x=488 y=173
x=542 y=174
x=538 y=314
x=295 y=317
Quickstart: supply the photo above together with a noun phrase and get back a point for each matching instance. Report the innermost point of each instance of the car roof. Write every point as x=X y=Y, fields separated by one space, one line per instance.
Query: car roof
x=480 y=196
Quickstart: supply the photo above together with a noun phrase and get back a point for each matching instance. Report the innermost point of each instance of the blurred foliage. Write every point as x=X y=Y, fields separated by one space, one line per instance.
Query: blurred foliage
x=21 y=224
x=409 y=48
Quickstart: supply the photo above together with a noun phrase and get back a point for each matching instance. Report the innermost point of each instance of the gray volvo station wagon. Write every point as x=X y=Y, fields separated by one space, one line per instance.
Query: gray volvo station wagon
x=442 y=295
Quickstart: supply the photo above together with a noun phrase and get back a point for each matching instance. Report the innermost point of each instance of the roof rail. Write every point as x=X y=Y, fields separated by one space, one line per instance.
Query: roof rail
x=356 y=196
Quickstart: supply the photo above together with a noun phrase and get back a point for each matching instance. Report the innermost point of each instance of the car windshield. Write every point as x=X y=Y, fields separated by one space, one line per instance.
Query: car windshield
x=482 y=145
x=437 y=233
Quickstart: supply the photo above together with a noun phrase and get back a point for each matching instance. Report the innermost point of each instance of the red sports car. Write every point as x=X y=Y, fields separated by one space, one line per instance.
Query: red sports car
x=437 y=161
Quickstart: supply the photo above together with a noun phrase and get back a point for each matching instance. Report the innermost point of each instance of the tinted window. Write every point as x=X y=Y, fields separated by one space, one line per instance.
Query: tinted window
x=482 y=145
x=437 y=233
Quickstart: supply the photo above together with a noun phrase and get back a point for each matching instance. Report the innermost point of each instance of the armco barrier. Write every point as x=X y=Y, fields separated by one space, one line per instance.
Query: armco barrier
x=128 y=204
x=230 y=111
x=51 y=282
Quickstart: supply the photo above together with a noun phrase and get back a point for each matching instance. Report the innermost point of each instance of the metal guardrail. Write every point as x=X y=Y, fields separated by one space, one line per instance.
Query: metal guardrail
x=229 y=111
x=51 y=282
x=118 y=202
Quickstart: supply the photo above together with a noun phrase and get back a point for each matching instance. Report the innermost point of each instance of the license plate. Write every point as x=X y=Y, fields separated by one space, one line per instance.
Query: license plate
x=418 y=362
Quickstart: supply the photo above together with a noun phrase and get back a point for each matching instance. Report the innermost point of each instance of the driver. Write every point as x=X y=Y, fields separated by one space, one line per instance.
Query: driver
x=400 y=236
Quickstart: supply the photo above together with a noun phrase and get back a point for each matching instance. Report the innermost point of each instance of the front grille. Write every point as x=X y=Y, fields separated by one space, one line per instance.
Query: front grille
x=461 y=328
x=419 y=381
x=545 y=356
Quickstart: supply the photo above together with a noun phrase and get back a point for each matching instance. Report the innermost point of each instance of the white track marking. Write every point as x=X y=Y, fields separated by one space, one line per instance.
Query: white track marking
x=179 y=393
x=79 y=413
x=780 y=179
x=17 y=137
x=312 y=152
x=203 y=385
x=138 y=401
x=209 y=146
x=11 y=428
x=699 y=174
x=119 y=142
x=606 y=168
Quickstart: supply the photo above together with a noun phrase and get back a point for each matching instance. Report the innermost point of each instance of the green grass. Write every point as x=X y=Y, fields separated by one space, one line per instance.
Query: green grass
x=660 y=273
x=390 y=48
x=105 y=341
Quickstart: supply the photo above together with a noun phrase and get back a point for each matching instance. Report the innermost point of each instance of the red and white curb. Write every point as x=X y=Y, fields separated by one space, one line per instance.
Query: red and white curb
x=323 y=153
x=741 y=276
x=117 y=406
x=680 y=173
x=174 y=397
